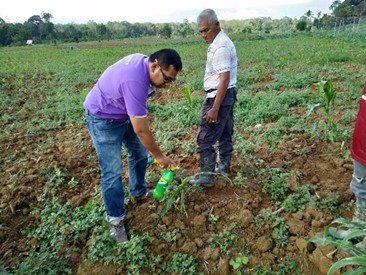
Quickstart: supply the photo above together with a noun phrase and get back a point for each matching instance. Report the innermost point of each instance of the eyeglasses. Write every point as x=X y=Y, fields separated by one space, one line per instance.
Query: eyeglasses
x=167 y=79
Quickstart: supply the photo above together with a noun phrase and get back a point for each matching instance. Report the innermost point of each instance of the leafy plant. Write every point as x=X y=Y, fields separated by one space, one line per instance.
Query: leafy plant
x=276 y=183
x=297 y=201
x=181 y=264
x=171 y=236
x=187 y=91
x=357 y=256
x=329 y=202
x=238 y=263
x=170 y=198
x=211 y=217
x=225 y=239
x=328 y=95
x=132 y=255
x=280 y=231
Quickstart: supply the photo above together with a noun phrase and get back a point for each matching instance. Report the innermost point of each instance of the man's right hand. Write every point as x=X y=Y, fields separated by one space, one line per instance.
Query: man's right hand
x=164 y=161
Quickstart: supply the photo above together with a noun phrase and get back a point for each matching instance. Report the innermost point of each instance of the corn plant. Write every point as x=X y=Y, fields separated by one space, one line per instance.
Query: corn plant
x=357 y=256
x=327 y=89
x=171 y=198
x=187 y=91
x=328 y=95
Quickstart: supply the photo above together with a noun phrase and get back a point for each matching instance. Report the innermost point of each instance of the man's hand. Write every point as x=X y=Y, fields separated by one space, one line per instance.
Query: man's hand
x=164 y=161
x=211 y=116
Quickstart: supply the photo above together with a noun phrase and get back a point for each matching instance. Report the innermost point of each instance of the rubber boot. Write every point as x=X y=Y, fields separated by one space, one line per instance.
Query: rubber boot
x=207 y=165
x=359 y=215
x=224 y=165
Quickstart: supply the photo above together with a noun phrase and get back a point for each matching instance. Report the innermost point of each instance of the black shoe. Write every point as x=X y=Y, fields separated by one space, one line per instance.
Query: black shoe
x=203 y=181
x=146 y=196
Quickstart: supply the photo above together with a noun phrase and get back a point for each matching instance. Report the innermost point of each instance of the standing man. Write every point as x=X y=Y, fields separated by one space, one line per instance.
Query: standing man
x=116 y=115
x=358 y=182
x=358 y=152
x=217 y=121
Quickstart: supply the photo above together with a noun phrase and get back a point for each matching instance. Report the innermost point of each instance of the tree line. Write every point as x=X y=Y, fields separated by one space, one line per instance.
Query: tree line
x=40 y=29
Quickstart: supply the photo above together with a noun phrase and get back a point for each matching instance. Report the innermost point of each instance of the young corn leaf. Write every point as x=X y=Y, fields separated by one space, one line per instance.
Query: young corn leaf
x=358 y=260
x=188 y=94
x=358 y=271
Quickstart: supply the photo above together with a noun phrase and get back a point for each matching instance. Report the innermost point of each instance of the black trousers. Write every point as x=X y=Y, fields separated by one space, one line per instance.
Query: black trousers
x=222 y=130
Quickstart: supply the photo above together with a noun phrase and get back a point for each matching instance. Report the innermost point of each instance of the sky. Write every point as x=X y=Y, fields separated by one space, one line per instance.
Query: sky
x=155 y=11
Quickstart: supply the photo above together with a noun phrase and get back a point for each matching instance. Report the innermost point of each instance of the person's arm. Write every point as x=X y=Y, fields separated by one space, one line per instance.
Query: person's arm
x=142 y=130
x=211 y=115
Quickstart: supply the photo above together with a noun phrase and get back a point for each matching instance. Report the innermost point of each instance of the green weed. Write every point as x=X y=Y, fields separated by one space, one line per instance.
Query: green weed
x=225 y=239
x=297 y=201
x=276 y=184
x=59 y=224
x=238 y=263
x=181 y=264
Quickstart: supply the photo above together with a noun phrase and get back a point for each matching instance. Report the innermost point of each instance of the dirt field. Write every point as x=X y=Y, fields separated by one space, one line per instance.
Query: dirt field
x=321 y=167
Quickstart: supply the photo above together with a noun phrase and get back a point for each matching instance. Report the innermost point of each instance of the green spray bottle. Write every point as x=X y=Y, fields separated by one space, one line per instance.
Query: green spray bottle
x=165 y=180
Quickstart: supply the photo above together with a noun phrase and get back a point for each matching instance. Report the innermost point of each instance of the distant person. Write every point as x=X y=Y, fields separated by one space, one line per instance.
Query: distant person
x=116 y=116
x=217 y=120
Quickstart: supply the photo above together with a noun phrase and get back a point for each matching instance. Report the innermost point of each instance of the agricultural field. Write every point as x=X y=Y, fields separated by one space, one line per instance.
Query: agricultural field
x=290 y=173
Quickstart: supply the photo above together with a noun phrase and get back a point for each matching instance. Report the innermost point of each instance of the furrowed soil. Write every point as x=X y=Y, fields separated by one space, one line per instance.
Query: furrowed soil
x=69 y=149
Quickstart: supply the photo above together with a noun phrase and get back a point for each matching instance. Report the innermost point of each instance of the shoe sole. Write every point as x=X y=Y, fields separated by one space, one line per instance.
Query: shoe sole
x=208 y=185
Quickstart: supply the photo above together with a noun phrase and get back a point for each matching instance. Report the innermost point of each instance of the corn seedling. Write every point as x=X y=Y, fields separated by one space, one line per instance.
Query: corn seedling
x=187 y=91
x=172 y=197
x=354 y=231
x=328 y=94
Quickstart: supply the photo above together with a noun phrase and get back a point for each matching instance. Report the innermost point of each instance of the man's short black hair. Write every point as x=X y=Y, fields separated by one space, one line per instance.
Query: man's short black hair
x=167 y=57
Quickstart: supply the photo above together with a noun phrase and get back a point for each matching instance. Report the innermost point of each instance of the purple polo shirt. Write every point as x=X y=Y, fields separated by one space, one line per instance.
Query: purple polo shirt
x=122 y=90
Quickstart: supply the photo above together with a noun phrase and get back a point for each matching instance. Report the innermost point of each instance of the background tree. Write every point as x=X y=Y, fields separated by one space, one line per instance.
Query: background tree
x=5 y=34
x=184 y=29
x=47 y=26
x=166 y=31
x=342 y=9
x=301 y=25
x=34 y=26
x=309 y=15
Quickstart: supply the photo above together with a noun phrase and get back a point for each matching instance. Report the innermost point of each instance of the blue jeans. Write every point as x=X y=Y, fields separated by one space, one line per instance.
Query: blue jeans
x=108 y=136
x=358 y=183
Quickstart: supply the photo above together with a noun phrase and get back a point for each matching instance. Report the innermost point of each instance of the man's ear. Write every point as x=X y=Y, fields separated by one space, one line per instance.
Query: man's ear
x=155 y=65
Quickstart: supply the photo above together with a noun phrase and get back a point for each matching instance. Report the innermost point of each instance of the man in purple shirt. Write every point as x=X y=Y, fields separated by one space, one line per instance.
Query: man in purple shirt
x=116 y=115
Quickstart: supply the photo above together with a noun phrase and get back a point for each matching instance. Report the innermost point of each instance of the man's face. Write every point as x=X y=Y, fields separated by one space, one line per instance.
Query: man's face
x=162 y=78
x=208 y=32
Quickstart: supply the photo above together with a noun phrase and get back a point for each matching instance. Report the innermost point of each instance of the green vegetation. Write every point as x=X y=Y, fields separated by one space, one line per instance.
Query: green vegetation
x=356 y=254
x=42 y=90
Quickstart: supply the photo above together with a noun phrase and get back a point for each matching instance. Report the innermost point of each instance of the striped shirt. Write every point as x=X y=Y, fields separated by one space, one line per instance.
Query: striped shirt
x=221 y=57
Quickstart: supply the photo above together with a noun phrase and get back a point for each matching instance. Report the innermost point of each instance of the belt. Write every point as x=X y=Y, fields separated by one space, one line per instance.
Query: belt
x=211 y=90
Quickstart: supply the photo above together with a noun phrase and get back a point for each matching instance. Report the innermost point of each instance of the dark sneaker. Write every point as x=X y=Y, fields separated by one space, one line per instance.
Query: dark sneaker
x=203 y=181
x=118 y=232
x=146 y=196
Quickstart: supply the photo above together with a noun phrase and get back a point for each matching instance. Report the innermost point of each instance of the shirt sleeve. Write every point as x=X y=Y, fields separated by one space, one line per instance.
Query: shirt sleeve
x=135 y=97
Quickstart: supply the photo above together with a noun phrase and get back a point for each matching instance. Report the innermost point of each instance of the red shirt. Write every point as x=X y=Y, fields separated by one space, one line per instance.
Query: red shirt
x=358 y=150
